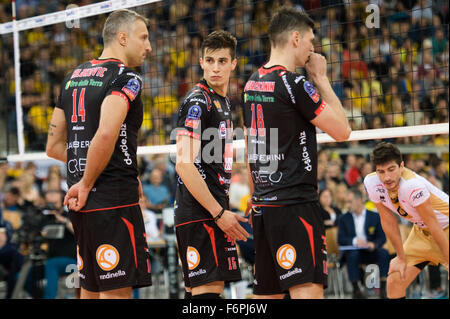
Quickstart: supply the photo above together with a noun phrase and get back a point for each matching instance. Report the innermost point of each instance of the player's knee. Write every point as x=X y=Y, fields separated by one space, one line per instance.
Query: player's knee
x=394 y=281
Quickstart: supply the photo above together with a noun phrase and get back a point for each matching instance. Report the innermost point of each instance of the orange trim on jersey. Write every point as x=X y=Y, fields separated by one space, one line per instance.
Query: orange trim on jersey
x=188 y=133
x=194 y=221
x=210 y=231
x=267 y=205
x=118 y=93
x=414 y=192
x=263 y=71
x=320 y=108
x=133 y=242
x=309 y=229
x=205 y=88
x=97 y=61
x=108 y=208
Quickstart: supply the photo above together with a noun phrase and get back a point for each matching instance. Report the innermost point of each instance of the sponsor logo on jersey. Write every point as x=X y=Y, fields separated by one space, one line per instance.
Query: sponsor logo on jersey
x=286 y=256
x=305 y=154
x=218 y=106
x=309 y=88
x=197 y=100
x=416 y=194
x=124 y=145
x=223 y=180
x=263 y=86
x=131 y=89
x=90 y=82
x=194 y=112
x=119 y=273
x=288 y=87
x=222 y=130
x=107 y=257
x=192 y=257
x=192 y=123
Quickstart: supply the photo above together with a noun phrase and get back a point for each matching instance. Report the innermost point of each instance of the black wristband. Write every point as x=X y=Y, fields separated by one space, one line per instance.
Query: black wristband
x=219 y=215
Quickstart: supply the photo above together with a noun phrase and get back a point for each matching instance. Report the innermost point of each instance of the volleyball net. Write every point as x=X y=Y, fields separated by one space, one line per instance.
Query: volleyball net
x=387 y=64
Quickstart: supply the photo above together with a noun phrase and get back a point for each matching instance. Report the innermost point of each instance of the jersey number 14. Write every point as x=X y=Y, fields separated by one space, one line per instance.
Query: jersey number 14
x=81 y=111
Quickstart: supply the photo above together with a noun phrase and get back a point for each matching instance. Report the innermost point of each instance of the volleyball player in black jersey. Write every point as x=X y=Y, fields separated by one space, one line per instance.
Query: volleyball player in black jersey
x=281 y=112
x=94 y=130
x=205 y=227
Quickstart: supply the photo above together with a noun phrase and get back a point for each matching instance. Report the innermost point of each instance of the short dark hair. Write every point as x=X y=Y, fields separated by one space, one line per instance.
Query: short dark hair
x=357 y=193
x=288 y=19
x=386 y=152
x=220 y=39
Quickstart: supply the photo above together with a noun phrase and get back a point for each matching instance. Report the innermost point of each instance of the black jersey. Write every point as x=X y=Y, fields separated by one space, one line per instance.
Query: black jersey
x=282 y=147
x=206 y=115
x=81 y=97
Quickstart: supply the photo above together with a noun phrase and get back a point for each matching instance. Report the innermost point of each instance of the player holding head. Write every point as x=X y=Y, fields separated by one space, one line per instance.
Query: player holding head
x=395 y=188
x=97 y=116
x=283 y=109
x=205 y=227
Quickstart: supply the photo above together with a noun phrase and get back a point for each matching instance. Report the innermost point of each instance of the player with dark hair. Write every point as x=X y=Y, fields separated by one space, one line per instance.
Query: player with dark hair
x=281 y=112
x=205 y=227
x=395 y=188
x=94 y=130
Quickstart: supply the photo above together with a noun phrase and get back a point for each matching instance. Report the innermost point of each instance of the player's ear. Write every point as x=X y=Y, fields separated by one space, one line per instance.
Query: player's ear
x=122 y=38
x=201 y=63
x=234 y=63
x=402 y=164
x=295 y=38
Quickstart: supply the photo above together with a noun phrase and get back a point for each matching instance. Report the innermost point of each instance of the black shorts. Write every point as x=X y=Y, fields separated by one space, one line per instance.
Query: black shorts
x=112 y=249
x=289 y=247
x=206 y=253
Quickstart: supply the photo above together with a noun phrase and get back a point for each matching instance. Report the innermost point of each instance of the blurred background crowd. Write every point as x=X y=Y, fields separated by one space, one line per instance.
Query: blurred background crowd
x=395 y=75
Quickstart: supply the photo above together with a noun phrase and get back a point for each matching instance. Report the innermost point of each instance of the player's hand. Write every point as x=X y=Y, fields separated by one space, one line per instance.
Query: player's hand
x=229 y=223
x=361 y=242
x=371 y=246
x=248 y=211
x=316 y=66
x=398 y=264
x=77 y=196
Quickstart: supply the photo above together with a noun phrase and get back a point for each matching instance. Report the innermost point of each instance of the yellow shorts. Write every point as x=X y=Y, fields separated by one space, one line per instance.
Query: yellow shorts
x=420 y=246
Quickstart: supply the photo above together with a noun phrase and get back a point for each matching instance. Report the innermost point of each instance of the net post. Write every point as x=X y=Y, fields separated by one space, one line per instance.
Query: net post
x=17 y=83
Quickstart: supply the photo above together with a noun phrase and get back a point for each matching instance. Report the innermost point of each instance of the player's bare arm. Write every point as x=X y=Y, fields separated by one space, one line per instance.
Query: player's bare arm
x=187 y=150
x=425 y=211
x=332 y=120
x=57 y=136
x=112 y=114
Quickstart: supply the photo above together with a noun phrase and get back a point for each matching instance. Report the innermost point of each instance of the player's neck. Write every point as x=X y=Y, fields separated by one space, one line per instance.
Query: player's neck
x=221 y=90
x=110 y=53
x=283 y=58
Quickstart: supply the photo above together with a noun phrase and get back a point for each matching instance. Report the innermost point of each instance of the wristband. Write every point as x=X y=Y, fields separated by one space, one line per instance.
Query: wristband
x=219 y=215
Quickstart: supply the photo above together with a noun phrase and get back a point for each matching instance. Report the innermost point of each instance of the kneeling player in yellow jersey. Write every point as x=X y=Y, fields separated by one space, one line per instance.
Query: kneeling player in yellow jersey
x=393 y=187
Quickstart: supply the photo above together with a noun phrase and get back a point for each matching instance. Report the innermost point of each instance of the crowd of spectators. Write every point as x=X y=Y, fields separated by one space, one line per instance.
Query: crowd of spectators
x=392 y=75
